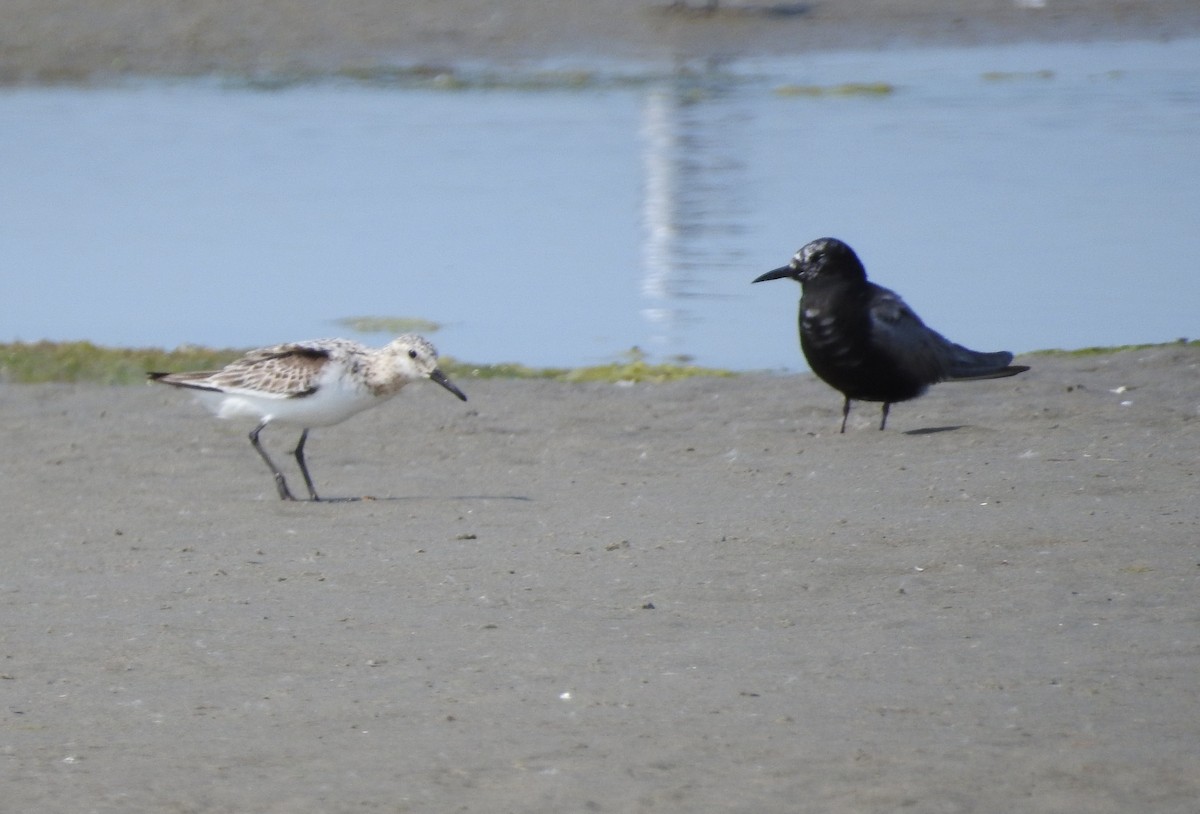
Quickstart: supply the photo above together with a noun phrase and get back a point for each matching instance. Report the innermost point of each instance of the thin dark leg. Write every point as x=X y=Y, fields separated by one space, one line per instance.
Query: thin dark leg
x=280 y=483
x=887 y=405
x=845 y=413
x=312 y=491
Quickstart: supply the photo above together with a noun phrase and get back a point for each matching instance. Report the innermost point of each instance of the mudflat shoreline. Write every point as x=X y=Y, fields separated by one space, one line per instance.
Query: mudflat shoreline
x=683 y=597
x=680 y=597
x=65 y=41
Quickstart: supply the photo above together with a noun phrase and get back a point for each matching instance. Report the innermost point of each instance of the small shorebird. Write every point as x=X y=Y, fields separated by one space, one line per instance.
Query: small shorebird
x=862 y=339
x=310 y=384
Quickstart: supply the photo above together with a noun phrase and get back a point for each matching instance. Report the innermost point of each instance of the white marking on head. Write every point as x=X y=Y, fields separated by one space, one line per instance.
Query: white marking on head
x=415 y=356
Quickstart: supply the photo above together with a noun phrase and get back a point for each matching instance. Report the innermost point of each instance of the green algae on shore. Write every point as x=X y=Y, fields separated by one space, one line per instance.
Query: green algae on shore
x=389 y=325
x=844 y=89
x=1104 y=350
x=45 y=361
x=37 y=362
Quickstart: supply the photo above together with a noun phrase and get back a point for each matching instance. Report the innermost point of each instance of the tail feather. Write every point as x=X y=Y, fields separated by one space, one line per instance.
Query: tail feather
x=194 y=380
x=966 y=364
x=1010 y=370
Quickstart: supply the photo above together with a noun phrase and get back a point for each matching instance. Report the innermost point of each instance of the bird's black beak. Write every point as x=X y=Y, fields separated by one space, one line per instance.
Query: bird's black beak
x=442 y=379
x=775 y=274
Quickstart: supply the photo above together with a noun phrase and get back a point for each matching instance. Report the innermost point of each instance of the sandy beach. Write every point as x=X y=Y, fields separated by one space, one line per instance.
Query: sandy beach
x=677 y=597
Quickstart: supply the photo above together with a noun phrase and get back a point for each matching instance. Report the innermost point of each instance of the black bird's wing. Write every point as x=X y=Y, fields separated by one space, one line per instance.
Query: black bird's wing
x=897 y=331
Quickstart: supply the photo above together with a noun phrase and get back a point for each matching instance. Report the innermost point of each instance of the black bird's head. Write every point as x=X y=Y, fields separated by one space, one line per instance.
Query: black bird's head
x=824 y=259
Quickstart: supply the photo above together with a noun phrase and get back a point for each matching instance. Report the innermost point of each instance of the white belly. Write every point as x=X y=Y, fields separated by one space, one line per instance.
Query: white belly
x=329 y=405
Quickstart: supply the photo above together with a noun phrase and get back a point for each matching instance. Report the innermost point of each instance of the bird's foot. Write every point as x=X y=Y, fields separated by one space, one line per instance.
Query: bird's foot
x=282 y=487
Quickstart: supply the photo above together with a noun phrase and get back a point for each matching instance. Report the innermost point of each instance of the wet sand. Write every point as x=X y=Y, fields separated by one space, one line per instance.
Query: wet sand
x=584 y=597
x=66 y=40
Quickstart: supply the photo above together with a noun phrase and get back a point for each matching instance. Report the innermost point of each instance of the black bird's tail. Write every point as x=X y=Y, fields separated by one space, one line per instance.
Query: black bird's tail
x=967 y=365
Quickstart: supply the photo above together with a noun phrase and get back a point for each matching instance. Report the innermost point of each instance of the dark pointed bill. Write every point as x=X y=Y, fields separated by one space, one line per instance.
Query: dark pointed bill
x=441 y=378
x=775 y=274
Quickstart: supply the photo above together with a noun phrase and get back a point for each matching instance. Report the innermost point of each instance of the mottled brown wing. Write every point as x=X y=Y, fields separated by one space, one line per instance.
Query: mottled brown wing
x=286 y=371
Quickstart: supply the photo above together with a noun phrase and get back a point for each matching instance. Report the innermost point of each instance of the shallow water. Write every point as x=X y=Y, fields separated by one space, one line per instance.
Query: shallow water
x=1019 y=197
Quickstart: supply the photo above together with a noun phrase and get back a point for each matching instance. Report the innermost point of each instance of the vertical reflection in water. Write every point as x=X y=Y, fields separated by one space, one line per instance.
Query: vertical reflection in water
x=693 y=202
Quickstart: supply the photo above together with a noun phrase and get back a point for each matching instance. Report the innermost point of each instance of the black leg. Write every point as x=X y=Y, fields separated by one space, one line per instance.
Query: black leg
x=312 y=491
x=280 y=483
x=845 y=413
x=887 y=405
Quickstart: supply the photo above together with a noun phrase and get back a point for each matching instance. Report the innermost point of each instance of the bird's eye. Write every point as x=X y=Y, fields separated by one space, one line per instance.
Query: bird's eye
x=412 y=354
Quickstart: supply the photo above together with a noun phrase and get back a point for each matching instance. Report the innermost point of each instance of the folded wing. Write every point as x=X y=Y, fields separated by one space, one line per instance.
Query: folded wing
x=915 y=347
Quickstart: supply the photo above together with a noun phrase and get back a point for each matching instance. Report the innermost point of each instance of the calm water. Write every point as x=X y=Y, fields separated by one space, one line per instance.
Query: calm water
x=1057 y=205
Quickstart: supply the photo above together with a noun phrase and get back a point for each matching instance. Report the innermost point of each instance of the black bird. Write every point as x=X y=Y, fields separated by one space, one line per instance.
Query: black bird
x=861 y=338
